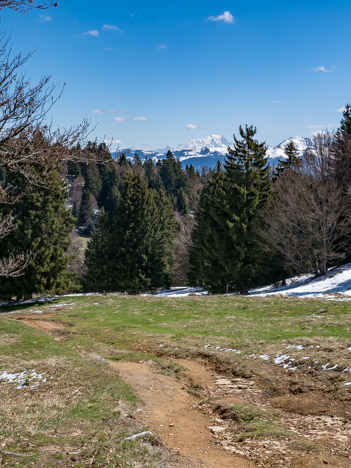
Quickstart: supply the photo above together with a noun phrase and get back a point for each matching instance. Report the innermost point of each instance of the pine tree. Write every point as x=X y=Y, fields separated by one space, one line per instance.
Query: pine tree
x=227 y=249
x=138 y=244
x=207 y=256
x=292 y=160
x=247 y=192
x=43 y=227
x=182 y=203
x=341 y=152
x=98 y=257
x=85 y=211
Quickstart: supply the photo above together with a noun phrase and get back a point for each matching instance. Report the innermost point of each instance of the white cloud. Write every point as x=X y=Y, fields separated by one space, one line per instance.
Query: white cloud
x=44 y=19
x=119 y=119
x=112 y=142
x=111 y=27
x=341 y=109
x=320 y=126
x=323 y=69
x=98 y=111
x=124 y=111
x=92 y=32
x=140 y=118
x=162 y=46
x=226 y=17
x=195 y=127
x=279 y=101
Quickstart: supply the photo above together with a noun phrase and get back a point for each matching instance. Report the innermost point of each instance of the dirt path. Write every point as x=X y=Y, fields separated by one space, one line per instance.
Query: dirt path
x=316 y=430
x=48 y=327
x=169 y=412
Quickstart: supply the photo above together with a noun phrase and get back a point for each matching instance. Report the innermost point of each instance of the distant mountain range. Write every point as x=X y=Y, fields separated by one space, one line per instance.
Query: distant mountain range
x=205 y=152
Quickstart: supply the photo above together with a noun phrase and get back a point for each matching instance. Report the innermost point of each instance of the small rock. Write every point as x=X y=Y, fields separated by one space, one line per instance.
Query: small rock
x=171 y=424
x=223 y=382
x=217 y=429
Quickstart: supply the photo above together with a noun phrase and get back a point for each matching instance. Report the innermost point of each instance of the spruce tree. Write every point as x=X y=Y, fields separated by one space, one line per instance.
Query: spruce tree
x=98 y=257
x=227 y=249
x=182 y=203
x=247 y=191
x=292 y=160
x=138 y=243
x=85 y=211
x=43 y=227
x=341 y=152
x=207 y=256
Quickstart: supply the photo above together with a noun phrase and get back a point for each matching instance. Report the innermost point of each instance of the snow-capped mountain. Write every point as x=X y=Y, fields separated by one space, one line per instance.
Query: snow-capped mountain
x=205 y=152
x=274 y=153
x=213 y=143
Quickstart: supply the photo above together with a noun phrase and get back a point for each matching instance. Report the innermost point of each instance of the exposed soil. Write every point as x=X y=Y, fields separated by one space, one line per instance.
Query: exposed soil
x=193 y=415
x=171 y=414
x=43 y=325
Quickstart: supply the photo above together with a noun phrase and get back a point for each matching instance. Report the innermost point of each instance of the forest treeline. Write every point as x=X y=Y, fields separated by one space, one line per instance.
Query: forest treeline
x=152 y=225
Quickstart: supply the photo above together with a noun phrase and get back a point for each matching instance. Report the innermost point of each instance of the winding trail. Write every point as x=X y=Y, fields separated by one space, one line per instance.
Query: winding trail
x=169 y=412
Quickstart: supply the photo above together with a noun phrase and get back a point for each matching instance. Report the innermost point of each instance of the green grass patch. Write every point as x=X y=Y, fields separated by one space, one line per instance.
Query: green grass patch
x=77 y=416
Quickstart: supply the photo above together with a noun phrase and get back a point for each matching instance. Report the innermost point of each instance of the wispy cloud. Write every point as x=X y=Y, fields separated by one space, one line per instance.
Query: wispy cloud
x=195 y=127
x=124 y=111
x=140 y=118
x=92 y=32
x=323 y=69
x=341 y=109
x=112 y=142
x=162 y=46
x=97 y=111
x=44 y=19
x=111 y=111
x=279 y=101
x=225 y=17
x=111 y=27
x=119 y=119
x=320 y=126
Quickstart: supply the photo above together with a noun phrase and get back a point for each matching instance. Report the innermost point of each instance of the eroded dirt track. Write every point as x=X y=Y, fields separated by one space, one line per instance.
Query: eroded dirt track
x=315 y=429
x=169 y=412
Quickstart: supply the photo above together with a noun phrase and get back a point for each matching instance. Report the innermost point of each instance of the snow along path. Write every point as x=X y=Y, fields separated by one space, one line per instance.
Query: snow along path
x=336 y=284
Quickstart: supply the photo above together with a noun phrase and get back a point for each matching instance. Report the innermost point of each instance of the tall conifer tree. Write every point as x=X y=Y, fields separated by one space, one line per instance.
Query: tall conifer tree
x=136 y=249
x=43 y=227
x=247 y=191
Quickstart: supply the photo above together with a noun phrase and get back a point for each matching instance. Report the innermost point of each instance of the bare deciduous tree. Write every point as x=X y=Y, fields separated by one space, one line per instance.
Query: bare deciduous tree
x=25 y=5
x=307 y=217
x=28 y=146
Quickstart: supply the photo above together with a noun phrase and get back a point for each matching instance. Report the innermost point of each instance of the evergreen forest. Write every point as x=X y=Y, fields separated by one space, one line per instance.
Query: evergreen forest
x=93 y=222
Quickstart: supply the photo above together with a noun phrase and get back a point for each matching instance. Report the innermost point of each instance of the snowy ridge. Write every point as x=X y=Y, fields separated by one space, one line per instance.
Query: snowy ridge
x=207 y=151
x=214 y=143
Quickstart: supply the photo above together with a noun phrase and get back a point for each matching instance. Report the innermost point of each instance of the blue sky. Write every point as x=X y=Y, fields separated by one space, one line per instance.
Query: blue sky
x=151 y=74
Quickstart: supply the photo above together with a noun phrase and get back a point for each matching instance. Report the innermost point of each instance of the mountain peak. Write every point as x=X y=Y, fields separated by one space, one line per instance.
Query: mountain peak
x=212 y=142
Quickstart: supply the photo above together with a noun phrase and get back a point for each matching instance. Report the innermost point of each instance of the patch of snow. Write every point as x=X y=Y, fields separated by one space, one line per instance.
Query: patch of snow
x=61 y=305
x=182 y=292
x=281 y=358
x=295 y=346
x=336 y=282
x=326 y=368
x=24 y=379
x=348 y=384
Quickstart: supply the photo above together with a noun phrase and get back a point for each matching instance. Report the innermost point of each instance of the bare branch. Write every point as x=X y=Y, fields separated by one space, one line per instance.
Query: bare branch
x=24 y=5
x=14 y=265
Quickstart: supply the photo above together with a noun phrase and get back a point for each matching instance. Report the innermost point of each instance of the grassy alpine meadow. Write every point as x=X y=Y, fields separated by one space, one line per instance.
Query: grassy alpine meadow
x=72 y=409
x=63 y=409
